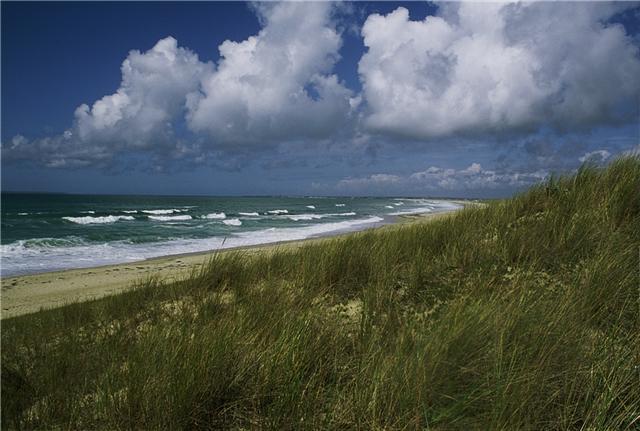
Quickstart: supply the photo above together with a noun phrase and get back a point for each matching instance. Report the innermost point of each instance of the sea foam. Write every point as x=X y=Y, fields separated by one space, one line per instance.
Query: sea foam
x=429 y=206
x=170 y=218
x=300 y=217
x=97 y=220
x=159 y=212
x=23 y=258
x=232 y=222
x=215 y=216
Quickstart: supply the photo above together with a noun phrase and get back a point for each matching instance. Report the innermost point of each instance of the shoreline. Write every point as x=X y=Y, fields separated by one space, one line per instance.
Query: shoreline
x=29 y=293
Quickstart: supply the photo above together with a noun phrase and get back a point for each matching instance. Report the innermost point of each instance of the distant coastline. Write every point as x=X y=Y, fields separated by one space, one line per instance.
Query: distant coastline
x=24 y=294
x=43 y=233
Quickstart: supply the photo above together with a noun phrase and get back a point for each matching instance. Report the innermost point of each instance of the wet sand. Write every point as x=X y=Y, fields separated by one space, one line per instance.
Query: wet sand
x=30 y=293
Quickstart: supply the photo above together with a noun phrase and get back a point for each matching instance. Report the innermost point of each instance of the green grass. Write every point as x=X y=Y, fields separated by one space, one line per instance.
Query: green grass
x=520 y=315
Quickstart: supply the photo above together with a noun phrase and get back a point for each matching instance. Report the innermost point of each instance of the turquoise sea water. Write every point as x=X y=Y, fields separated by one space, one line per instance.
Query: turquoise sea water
x=48 y=232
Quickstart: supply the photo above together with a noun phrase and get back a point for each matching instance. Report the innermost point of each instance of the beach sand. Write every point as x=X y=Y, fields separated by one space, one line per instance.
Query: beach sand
x=29 y=293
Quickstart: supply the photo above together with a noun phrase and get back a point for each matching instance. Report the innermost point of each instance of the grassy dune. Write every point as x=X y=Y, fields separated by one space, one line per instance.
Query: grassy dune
x=520 y=315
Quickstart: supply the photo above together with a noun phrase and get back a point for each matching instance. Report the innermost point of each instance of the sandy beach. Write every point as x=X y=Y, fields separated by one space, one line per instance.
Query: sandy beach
x=29 y=293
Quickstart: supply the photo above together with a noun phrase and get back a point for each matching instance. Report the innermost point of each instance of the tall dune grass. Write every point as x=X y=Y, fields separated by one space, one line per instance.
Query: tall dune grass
x=524 y=314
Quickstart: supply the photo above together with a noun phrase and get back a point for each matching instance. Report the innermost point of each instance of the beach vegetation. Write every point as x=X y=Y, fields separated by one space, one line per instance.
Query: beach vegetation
x=520 y=314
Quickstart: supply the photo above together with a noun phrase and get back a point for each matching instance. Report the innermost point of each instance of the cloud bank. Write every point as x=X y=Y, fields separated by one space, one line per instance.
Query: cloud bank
x=459 y=182
x=274 y=87
x=473 y=69
x=455 y=181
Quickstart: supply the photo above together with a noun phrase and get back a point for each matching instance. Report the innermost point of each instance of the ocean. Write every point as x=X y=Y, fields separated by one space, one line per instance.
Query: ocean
x=49 y=232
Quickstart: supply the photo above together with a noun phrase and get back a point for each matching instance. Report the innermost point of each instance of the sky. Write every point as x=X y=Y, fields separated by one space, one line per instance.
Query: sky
x=314 y=98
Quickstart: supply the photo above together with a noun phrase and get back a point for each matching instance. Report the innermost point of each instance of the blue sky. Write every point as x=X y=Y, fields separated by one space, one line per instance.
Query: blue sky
x=378 y=98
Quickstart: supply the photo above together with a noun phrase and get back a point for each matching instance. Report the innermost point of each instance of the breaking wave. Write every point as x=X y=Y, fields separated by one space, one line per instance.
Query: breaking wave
x=304 y=217
x=47 y=254
x=429 y=206
x=170 y=218
x=232 y=222
x=215 y=216
x=160 y=212
x=97 y=220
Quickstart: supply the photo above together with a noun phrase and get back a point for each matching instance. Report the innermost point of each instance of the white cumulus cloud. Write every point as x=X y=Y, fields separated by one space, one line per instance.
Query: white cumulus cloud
x=152 y=94
x=487 y=67
x=473 y=68
x=274 y=87
x=278 y=84
x=140 y=115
